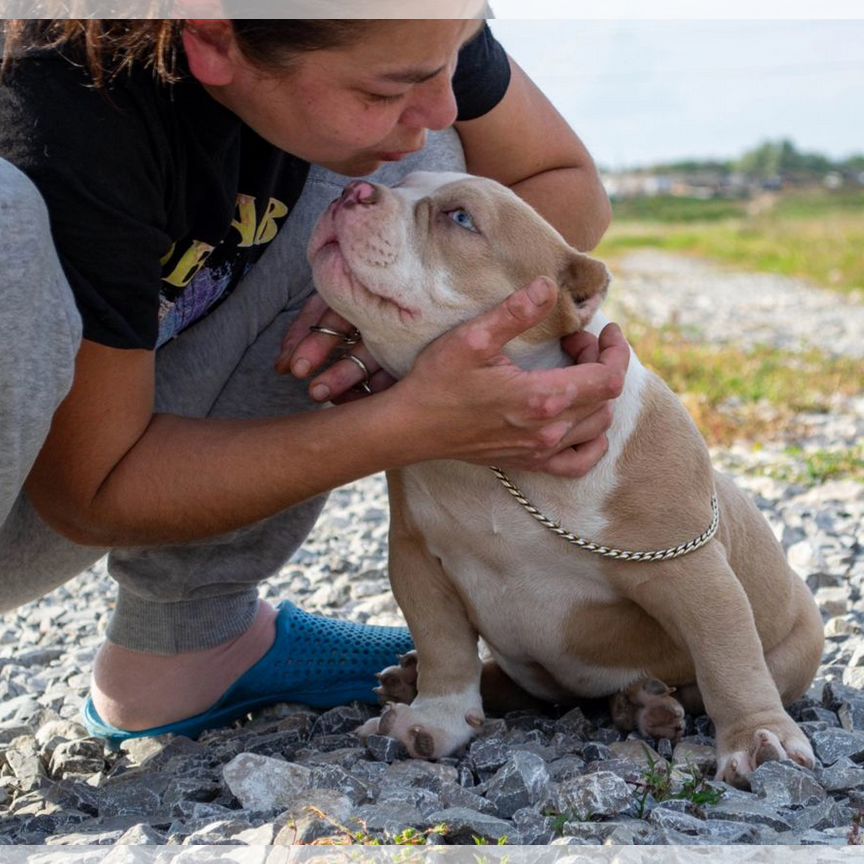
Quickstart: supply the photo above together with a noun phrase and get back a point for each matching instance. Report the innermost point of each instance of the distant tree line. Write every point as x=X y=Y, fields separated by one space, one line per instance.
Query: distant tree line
x=771 y=159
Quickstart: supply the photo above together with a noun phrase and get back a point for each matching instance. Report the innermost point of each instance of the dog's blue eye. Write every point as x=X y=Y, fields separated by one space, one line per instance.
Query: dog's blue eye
x=463 y=219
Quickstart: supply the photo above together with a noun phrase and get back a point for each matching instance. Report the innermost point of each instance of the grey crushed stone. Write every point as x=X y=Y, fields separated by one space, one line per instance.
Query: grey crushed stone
x=562 y=780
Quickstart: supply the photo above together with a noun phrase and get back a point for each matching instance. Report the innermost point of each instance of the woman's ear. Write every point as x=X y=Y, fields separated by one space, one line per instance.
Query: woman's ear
x=211 y=50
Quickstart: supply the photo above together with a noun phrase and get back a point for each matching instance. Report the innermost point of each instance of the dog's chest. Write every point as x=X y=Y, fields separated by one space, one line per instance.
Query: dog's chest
x=493 y=549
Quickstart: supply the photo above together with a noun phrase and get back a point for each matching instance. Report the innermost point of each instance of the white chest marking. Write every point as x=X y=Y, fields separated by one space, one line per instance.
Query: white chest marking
x=522 y=580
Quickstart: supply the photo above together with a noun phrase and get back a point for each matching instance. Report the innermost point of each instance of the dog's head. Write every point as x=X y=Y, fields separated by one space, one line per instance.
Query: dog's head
x=407 y=263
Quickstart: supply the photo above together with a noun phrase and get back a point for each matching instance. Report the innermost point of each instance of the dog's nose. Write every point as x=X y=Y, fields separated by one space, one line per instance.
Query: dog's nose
x=358 y=192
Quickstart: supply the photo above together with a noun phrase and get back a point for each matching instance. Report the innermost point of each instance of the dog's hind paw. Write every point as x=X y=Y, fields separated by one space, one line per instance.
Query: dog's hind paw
x=649 y=706
x=398 y=683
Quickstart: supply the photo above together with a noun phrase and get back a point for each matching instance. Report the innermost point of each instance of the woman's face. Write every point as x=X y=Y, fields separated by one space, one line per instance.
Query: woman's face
x=351 y=109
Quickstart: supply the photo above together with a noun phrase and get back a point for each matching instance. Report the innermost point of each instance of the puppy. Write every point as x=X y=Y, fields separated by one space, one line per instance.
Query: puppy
x=727 y=627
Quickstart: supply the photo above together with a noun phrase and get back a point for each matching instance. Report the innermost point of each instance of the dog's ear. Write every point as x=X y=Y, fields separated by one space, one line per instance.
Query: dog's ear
x=584 y=280
x=583 y=277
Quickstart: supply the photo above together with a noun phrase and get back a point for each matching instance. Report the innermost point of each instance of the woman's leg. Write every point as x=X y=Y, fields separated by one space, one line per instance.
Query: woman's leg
x=187 y=622
x=40 y=332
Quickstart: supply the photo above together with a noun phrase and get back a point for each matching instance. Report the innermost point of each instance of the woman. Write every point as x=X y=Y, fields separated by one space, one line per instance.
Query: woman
x=176 y=446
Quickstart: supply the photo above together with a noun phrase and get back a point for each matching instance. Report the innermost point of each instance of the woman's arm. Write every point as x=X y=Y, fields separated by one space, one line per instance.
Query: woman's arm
x=525 y=144
x=113 y=473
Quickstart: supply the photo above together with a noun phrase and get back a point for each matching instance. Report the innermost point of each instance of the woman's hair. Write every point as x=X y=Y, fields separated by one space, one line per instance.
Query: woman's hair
x=107 y=47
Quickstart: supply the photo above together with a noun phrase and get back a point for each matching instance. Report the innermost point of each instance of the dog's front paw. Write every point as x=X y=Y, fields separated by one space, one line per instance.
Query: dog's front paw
x=741 y=753
x=434 y=729
x=398 y=683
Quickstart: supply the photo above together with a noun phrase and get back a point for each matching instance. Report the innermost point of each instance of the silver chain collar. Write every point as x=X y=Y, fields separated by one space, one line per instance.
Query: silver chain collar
x=605 y=551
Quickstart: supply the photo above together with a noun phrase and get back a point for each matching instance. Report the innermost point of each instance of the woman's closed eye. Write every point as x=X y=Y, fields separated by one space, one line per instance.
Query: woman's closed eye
x=385 y=98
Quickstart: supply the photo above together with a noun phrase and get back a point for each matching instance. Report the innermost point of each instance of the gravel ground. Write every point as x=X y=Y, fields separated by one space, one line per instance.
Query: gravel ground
x=731 y=307
x=253 y=784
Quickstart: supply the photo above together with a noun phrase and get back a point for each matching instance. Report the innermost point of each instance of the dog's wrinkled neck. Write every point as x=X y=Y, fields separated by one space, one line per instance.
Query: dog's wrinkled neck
x=547 y=353
x=537 y=355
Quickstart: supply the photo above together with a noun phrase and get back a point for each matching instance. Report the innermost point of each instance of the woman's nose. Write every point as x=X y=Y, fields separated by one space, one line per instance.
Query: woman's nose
x=433 y=106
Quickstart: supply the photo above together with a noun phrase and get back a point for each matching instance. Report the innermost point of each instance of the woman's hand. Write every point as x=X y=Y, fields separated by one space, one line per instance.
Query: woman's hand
x=476 y=405
x=304 y=353
x=482 y=407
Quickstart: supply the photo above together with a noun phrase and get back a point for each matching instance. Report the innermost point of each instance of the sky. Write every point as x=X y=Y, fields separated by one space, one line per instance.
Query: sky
x=645 y=91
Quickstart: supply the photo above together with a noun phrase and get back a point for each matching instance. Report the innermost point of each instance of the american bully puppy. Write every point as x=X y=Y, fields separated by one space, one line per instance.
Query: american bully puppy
x=720 y=622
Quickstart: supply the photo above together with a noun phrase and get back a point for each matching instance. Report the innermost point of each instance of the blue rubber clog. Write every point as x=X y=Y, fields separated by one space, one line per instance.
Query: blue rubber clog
x=317 y=661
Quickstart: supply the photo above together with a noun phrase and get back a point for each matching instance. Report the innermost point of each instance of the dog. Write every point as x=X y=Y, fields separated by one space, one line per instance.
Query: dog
x=727 y=628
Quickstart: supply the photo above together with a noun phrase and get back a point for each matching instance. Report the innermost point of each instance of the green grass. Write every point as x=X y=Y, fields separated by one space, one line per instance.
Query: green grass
x=687 y=783
x=658 y=782
x=345 y=836
x=816 y=235
x=821 y=465
x=819 y=203
x=754 y=395
x=672 y=209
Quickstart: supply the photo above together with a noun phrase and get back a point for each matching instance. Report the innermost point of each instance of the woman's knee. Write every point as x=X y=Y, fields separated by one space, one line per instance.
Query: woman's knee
x=40 y=331
x=37 y=299
x=20 y=199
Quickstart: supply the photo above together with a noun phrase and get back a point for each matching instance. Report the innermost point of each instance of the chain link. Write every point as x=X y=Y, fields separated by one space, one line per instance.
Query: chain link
x=606 y=552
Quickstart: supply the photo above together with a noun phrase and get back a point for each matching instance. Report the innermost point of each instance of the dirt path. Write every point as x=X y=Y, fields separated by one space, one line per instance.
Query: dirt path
x=733 y=307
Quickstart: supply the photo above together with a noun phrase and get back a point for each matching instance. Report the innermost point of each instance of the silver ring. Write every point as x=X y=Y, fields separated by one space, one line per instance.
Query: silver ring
x=364 y=385
x=351 y=338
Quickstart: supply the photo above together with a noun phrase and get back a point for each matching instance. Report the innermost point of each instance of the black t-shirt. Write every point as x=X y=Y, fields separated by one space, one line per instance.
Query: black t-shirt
x=160 y=199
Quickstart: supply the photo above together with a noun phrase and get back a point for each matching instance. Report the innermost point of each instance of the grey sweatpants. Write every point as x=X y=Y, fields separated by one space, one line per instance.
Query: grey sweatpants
x=192 y=596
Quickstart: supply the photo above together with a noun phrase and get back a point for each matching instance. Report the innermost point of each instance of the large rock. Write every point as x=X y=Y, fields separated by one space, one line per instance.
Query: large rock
x=81 y=756
x=423 y=800
x=218 y=833
x=467 y=826
x=424 y=775
x=22 y=758
x=55 y=732
x=637 y=752
x=755 y=812
x=487 y=756
x=674 y=820
x=599 y=794
x=454 y=795
x=263 y=783
x=830 y=745
x=194 y=786
x=523 y=781
x=137 y=794
x=18 y=710
x=340 y=720
x=383 y=748
x=575 y=723
x=82 y=838
x=595 y=751
x=338 y=779
x=533 y=826
x=141 y=834
x=689 y=753
x=850 y=715
x=842 y=775
x=313 y=815
x=828 y=814
x=388 y=820
x=566 y=768
x=786 y=785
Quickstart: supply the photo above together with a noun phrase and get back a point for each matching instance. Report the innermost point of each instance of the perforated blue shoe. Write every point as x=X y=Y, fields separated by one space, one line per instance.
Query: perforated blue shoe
x=317 y=661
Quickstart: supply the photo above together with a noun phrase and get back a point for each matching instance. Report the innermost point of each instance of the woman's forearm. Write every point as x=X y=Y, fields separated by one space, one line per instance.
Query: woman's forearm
x=186 y=479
